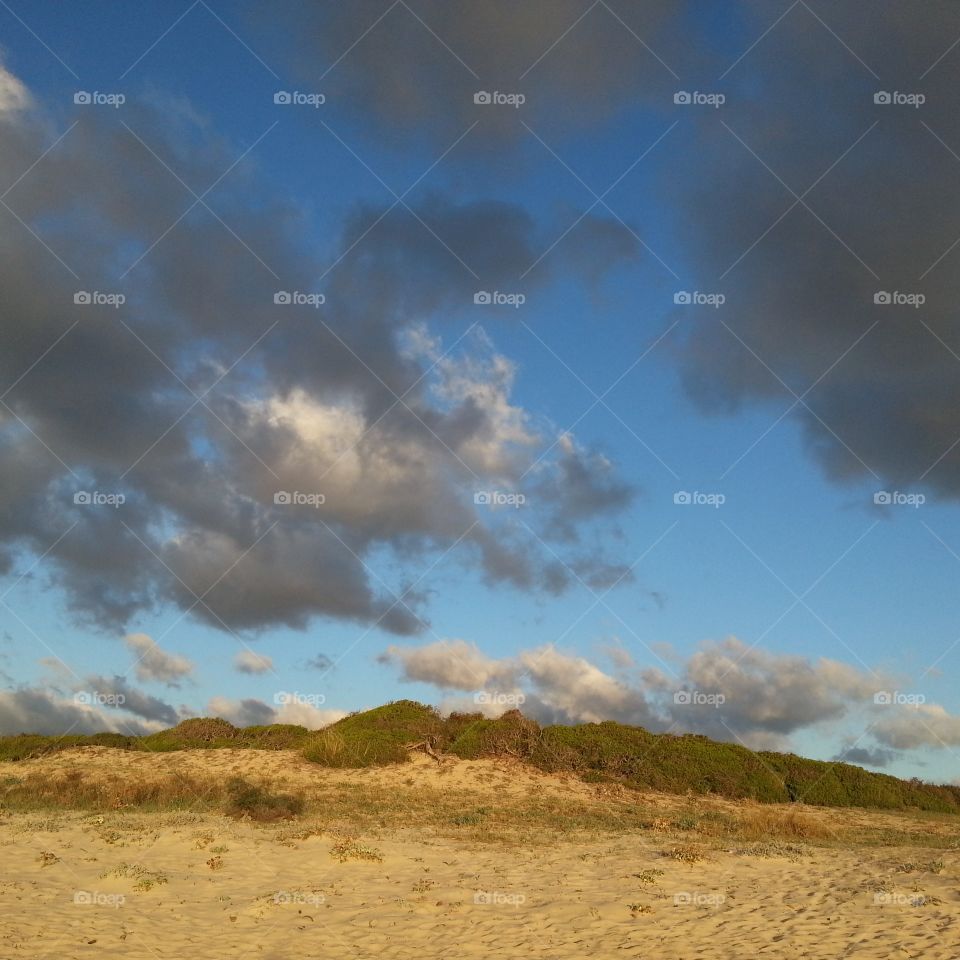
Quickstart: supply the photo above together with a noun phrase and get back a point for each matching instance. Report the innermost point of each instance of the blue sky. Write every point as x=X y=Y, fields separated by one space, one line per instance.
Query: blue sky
x=876 y=584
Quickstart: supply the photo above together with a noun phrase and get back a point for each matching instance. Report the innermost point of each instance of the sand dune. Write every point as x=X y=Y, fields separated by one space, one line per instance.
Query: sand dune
x=198 y=885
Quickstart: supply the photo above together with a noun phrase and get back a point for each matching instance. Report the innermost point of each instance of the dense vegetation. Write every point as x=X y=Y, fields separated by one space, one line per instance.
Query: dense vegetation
x=607 y=751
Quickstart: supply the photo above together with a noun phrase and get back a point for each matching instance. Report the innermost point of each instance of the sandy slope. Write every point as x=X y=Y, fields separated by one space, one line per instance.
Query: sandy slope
x=215 y=888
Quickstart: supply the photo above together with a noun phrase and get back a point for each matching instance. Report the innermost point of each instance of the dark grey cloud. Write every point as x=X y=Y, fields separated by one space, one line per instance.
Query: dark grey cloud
x=114 y=402
x=800 y=278
x=130 y=699
x=320 y=662
x=253 y=712
x=422 y=62
x=867 y=756
x=582 y=486
x=34 y=710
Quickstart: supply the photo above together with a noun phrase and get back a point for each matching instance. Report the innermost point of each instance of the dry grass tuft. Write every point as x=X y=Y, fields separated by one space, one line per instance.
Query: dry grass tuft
x=767 y=823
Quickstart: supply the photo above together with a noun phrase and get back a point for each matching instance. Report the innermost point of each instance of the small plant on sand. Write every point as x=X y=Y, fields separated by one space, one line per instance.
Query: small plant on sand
x=248 y=801
x=637 y=908
x=215 y=863
x=649 y=876
x=773 y=848
x=350 y=848
x=143 y=879
x=686 y=853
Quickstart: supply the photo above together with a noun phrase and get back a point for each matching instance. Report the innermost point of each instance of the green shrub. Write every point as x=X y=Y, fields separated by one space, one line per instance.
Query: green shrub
x=512 y=735
x=376 y=737
x=25 y=746
x=275 y=736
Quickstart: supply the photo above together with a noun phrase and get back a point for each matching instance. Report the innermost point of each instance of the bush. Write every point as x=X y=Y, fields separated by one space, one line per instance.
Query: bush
x=377 y=737
x=247 y=800
x=511 y=735
x=275 y=736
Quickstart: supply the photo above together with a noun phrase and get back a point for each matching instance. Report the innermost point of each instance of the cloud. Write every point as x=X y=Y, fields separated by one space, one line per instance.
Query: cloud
x=246 y=661
x=320 y=662
x=767 y=695
x=14 y=96
x=313 y=410
x=448 y=664
x=33 y=710
x=925 y=725
x=867 y=757
x=132 y=700
x=726 y=690
x=253 y=712
x=582 y=487
x=154 y=663
x=247 y=712
x=563 y=688
x=801 y=278
x=422 y=63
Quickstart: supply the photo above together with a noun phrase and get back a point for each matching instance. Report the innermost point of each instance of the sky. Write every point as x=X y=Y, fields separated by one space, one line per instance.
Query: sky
x=596 y=360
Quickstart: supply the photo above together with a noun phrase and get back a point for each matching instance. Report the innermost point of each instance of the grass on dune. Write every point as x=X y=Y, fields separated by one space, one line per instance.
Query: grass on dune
x=599 y=752
x=528 y=818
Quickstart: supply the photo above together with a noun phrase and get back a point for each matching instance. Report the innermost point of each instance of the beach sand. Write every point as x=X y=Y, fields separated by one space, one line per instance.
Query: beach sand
x=197 y=885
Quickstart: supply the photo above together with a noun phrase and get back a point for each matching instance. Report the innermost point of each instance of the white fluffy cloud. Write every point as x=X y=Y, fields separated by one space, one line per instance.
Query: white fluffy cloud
x=154 y=663
x=14 y=96
x=727 y=690
x=246 y=661
x=924 y=725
